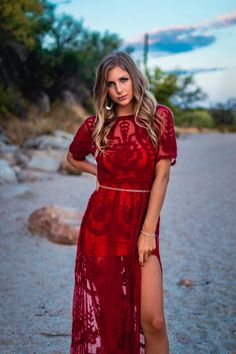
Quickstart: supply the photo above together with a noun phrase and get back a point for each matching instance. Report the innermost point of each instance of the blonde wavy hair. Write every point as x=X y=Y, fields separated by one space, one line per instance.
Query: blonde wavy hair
x=144 y=102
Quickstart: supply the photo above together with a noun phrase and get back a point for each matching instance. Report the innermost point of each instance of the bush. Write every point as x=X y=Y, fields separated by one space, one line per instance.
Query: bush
x=194 y=118
x=6 y=99
x=11 y=102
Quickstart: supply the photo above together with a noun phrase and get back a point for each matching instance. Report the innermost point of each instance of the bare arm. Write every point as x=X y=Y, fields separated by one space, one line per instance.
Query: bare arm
x=156 y=200
x=82 y=165
x=157 y=195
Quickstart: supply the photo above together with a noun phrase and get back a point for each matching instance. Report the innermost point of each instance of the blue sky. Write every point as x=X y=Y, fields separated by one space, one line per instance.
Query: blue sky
x=197 y=37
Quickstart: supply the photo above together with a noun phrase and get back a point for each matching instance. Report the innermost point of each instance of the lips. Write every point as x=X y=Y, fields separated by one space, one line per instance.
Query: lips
x=122 y=97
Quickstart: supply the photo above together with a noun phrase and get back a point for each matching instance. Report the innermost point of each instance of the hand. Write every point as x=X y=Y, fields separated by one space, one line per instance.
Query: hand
x=97 y=184
x=146 y=244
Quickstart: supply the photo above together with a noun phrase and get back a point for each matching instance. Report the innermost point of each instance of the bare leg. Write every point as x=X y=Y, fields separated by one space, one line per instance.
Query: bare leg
x=152 y=311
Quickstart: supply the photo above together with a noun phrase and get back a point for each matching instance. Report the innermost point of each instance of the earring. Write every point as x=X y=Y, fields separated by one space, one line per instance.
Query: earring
x=109 y=107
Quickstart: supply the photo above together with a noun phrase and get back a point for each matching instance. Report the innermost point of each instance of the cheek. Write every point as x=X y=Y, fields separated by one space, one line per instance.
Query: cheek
x=110 y=92
x=130 y=88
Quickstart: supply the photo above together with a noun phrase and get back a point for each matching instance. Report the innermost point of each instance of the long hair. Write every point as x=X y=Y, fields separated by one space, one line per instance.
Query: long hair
x=144 y=102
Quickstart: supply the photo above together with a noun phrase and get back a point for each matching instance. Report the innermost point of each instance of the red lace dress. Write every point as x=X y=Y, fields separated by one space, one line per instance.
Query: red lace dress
x=106 y=300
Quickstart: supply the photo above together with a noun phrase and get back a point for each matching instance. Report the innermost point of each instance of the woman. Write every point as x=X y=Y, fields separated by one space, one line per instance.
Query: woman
x=118 y=293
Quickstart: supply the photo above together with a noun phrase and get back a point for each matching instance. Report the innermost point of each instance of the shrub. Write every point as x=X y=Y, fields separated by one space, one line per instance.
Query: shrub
x=195 y=118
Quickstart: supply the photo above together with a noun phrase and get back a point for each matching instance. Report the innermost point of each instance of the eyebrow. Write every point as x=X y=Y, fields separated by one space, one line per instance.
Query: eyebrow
x=122 y=77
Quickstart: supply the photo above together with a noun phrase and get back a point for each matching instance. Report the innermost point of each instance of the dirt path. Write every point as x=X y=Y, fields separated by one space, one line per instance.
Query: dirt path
x=198 y=240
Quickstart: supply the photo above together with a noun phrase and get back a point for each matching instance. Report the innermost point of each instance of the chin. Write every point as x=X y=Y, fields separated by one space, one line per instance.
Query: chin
x=124 y=103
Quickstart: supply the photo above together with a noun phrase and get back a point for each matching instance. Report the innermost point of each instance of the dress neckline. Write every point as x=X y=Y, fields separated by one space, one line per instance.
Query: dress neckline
x=127 y=116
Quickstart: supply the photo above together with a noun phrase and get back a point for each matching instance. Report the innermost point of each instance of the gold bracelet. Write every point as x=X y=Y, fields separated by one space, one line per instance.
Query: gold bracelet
x=148 y=234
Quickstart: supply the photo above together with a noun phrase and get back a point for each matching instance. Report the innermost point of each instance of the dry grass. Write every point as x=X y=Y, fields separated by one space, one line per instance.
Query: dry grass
x=62 y=117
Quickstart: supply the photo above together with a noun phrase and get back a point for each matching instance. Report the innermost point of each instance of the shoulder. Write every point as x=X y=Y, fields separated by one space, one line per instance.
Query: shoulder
x=164 y=111
x=89 y=122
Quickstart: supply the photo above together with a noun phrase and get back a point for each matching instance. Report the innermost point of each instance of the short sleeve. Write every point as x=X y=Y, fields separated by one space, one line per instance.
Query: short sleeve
x=82 y=144
x=167 y=146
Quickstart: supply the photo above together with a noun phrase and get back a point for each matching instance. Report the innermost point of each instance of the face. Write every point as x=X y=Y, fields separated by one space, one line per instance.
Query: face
x=119 y=84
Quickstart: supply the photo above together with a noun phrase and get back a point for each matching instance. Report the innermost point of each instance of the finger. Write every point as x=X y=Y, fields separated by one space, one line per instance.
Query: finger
x=141 y=260
x=146 y=255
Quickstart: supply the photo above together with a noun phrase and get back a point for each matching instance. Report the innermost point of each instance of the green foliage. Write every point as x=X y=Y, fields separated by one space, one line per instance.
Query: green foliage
x=44 y=53
x=194 y=118
x=225 y=114
x=6 y=100
x=187 y=92
x=174 y=90
x=11 y=101
x=163 y=86
x=19 y=20
x=65 y=33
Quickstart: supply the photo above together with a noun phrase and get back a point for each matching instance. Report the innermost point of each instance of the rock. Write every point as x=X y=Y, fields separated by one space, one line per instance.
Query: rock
x=62 y=134
x=21 y=158
x=56 y=154
x=7 y=174
x=57 y=224
x=69 y=98
x=13 y=155
x=32 y=176
x=44 y=163
x=17 y=170
x=3 y=137
x=44 y=102
x=58 y=141
x=9 y=157
x=8 y=147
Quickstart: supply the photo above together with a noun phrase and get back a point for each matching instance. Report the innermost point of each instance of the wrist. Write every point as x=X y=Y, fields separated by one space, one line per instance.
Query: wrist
x=149 y=234
x=151 y=228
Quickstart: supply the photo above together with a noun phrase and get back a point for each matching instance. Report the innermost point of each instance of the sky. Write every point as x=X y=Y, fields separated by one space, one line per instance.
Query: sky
x=197 y=37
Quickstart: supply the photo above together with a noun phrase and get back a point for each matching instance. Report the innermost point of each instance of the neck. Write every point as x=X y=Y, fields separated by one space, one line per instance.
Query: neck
x=125 y=110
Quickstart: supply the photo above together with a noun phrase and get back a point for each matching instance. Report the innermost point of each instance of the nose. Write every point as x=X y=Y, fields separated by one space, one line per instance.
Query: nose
x=118 y=88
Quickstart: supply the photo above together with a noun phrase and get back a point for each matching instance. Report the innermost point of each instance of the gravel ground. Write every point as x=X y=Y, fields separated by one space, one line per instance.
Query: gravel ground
x=197 y=242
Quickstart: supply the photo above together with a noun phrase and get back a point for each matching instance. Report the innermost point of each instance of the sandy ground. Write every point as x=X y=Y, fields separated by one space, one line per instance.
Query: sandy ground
x=197 y=241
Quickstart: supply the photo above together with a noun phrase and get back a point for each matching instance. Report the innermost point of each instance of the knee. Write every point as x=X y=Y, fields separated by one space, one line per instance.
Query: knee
x=153 y=324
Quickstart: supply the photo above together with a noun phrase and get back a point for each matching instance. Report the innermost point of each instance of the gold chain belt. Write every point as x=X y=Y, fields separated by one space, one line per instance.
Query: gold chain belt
x=126 y=190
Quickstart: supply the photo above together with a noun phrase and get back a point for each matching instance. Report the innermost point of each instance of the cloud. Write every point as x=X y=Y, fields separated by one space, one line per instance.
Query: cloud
x=179 y=39
x=224 y=21
x=195 y=70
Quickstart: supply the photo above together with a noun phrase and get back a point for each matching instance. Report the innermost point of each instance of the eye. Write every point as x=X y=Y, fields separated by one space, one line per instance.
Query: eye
x=109 y=84
x=124 y=79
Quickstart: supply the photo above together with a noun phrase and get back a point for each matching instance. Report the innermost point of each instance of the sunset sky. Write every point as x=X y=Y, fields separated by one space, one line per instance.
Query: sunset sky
x=195 y=37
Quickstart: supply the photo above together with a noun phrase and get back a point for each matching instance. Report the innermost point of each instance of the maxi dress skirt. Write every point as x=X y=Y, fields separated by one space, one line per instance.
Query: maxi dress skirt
x=107 y=290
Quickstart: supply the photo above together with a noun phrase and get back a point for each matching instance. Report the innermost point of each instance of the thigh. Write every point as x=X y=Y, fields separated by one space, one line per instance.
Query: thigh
x=151 y=289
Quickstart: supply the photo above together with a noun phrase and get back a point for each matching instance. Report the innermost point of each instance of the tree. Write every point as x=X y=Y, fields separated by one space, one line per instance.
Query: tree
x=163 y=86
x=188 y=93
x=65 y=33
x=22 y=26
x=64 y=52
x=19 y=21
x=173 y=90
x=225 y=113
